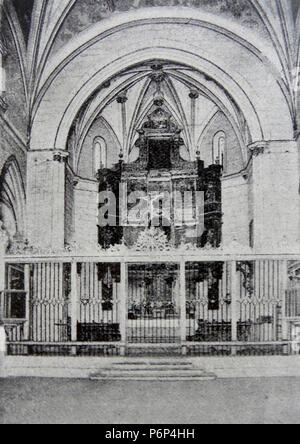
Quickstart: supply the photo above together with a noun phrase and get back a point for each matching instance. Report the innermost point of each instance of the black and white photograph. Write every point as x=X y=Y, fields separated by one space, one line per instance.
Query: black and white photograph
x=150 y=215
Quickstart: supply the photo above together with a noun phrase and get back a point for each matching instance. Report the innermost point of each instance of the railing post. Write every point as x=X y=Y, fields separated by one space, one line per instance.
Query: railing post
x=284 y=288
x=74 y=301
x=2 y=283
x=122 y=306
x=3 y=245
x=183 y=306
x=234 y=308
x=27 y=290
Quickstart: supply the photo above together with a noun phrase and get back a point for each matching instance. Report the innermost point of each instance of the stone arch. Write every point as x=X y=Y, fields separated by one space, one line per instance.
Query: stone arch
x=245 y=83
x=12 y=200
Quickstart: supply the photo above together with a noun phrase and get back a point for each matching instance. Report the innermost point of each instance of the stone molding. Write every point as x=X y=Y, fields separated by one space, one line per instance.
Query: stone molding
x=60 y=156
x=258 y=148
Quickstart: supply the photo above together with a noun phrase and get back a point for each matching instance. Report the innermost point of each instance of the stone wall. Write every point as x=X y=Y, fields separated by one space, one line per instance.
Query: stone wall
x=85 y=164
x=233 y=156
x=235 y=210
x=46 y=198
x=86 y=213
x=276 y=196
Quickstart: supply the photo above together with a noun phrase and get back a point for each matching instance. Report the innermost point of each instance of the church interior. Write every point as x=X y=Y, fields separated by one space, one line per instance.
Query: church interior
x=149 y=176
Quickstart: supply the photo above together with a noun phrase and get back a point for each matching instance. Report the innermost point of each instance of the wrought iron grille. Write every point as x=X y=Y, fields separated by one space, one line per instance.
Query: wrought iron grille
x=260 y=300
x=153 y=303
x=49 y=314
x=108 y=309
x=293 y=303
x=99 y=295
x=208 y=301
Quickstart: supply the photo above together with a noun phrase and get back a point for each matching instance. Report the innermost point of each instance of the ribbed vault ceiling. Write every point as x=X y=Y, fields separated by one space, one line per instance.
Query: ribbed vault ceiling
x=37 y=30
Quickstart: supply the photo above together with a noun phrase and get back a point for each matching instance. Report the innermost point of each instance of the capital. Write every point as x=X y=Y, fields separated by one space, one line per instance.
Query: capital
x=60 y=156
x=258 y=148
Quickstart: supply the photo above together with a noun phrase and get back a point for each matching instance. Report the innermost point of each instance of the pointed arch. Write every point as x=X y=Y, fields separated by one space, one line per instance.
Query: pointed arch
x=12 y=199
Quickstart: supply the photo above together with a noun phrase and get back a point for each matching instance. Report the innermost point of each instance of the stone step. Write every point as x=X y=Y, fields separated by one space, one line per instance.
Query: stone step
x=154 y=378
x=149 y=368
x=156 y=370
x=180 y=365
x=150 y=375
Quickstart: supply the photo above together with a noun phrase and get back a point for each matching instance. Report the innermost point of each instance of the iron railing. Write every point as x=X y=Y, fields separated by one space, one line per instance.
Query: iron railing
x=197 y=306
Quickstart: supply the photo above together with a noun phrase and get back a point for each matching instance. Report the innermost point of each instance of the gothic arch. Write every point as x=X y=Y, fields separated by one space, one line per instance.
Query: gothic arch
x=245 y=85
x=12 y=199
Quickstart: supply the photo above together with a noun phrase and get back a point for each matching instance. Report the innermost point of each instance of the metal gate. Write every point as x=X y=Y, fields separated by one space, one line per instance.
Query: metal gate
x=153 y=303
x=208 y=301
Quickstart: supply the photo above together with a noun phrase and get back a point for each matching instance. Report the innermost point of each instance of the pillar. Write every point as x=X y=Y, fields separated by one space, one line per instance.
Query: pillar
x=275 y=196
x=193 y=95
x=122 y=99
x=46 y=198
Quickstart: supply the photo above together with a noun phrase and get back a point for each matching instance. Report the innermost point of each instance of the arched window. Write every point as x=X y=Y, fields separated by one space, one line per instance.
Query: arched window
x=219 y=146
x=99 y=154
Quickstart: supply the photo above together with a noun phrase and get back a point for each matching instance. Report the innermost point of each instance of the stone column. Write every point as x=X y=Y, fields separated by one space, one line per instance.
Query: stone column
x=275 y=196
x=46 y=198
x=193 y=95
x=122 y=99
